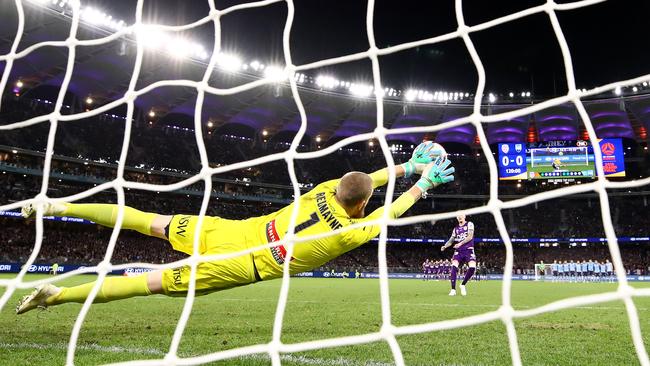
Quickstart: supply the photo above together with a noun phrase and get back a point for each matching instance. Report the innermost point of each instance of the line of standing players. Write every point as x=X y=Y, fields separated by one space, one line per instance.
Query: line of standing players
x=585 y=271
x=441 y=269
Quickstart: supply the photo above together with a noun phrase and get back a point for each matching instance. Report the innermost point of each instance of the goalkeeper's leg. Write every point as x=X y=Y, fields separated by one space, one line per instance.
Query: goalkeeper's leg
x=106 y=215
x=113 y=288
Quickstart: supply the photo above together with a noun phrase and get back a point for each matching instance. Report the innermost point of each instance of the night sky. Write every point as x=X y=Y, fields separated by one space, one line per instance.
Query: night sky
x=609 y=41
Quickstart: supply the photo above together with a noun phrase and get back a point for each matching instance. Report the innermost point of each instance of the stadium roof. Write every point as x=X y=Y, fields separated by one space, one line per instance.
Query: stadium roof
x=102 y=73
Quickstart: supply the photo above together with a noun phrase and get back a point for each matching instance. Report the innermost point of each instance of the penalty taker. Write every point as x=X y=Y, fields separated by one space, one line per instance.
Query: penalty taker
x=331 y=205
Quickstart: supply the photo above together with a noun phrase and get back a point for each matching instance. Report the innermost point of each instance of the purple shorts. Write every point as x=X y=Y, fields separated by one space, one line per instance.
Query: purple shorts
x=464 y=255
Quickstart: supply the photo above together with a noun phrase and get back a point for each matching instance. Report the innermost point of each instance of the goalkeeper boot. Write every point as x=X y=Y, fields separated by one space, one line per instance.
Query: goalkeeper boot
x=37 y=298
x=463 y=291
x=452 y=292
x=49 y=209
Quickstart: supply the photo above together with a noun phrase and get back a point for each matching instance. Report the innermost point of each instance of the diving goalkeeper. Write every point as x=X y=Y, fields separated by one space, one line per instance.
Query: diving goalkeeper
x=331 y=205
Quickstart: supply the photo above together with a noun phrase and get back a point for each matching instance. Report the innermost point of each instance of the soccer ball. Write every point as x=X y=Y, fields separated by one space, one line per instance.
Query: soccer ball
x=427 y=150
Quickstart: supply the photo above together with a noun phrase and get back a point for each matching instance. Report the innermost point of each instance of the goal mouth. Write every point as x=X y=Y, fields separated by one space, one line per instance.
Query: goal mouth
x=388 y=331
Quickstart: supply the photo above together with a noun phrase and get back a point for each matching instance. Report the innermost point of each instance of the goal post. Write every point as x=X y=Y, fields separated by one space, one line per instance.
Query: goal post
x=542 y=271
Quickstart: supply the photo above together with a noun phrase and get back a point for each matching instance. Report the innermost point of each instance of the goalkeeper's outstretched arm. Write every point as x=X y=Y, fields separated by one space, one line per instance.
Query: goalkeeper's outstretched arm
x=436 y=173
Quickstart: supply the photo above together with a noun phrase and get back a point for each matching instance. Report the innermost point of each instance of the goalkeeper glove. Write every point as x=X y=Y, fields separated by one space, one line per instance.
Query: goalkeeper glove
x=423 y=154
x=436 y=173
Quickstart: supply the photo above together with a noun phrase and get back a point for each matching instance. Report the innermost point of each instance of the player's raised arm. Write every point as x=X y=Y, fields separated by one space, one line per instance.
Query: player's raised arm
x=437 y=173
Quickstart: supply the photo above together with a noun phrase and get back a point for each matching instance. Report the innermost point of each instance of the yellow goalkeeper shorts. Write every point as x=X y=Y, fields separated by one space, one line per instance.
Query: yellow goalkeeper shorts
x=217 y=236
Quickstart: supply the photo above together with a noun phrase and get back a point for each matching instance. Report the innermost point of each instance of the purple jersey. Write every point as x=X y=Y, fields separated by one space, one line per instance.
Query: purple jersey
x=460 y=233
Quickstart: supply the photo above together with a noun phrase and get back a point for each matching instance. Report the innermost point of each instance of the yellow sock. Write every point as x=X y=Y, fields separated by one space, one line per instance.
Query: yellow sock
x=113 y=288
x=106 y=215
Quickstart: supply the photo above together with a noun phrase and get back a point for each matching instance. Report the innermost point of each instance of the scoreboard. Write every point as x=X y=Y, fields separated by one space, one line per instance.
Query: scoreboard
x=512 y=161
x=559 y=159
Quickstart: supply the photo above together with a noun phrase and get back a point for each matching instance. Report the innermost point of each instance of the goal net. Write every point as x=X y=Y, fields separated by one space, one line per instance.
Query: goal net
x=388 y=332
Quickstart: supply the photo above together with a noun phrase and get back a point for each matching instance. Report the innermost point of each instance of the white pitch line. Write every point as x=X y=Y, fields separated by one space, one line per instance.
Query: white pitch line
x=303 y=360
x=87 y=347
x=299 y=359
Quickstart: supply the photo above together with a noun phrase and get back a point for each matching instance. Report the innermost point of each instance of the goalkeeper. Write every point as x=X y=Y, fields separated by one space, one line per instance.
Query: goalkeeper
x=331 y=205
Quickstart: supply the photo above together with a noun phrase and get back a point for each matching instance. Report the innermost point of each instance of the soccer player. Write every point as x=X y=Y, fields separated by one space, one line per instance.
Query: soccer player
x=609 y=267
x=462 y=237
x=572 y=270
x=554 y=269
x=560 y=271
x=331 y=205
x=556 y=164
x=585 y=271
x=578 y=271
x=55 y=269
x=425 y=269
x=590 y=269
x=596 y=271
x=436 y=269
x=567 y=271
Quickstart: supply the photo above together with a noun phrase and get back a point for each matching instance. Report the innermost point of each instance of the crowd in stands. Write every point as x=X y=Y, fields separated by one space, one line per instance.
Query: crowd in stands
x=86 y=153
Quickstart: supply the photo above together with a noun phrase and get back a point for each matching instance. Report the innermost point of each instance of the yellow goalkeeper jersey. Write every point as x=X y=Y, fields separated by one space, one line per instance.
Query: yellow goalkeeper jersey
x=318 y=213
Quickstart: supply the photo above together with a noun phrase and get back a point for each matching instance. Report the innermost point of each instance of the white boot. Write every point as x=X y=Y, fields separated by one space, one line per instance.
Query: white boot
x=463 y=291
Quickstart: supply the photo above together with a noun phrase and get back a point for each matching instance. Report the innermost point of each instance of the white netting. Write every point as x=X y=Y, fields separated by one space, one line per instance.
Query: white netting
x=388 y=332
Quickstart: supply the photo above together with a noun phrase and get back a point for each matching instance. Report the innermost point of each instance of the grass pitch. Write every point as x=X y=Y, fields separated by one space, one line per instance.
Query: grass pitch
x=142 y=328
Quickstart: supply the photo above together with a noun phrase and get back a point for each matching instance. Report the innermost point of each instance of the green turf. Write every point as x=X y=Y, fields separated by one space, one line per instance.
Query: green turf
x=322 y=308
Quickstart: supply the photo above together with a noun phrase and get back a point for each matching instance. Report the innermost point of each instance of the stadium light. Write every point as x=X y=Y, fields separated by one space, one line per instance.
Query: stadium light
x=361 y=90
x=265 y=133
x=151 y=39
x=89 y=100
x=179 y=48
x=210 y=124
x=371 y=143
x=318 y=139
x=618 y=90
x=229 y=62
x=410 y=95
x=255 y=65
x=511 y=95
x=19 y=84
x=275 y=73
x=492 y=98
x=152 y=114
x=326 y=82
x=528 y=94
x=635 y=89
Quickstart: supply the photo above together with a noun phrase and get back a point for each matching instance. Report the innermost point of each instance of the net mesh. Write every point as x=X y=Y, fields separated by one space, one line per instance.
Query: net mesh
x=388 y=332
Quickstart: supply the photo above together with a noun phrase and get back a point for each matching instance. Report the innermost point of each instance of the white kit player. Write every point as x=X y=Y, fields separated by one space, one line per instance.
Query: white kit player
x=609 y=267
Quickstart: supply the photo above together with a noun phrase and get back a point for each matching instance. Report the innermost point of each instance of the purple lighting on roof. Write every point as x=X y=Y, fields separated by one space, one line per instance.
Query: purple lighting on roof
x=556 y=117
x=506 y=130
x=606 y=125
x=548 y=129
x=608 y=114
